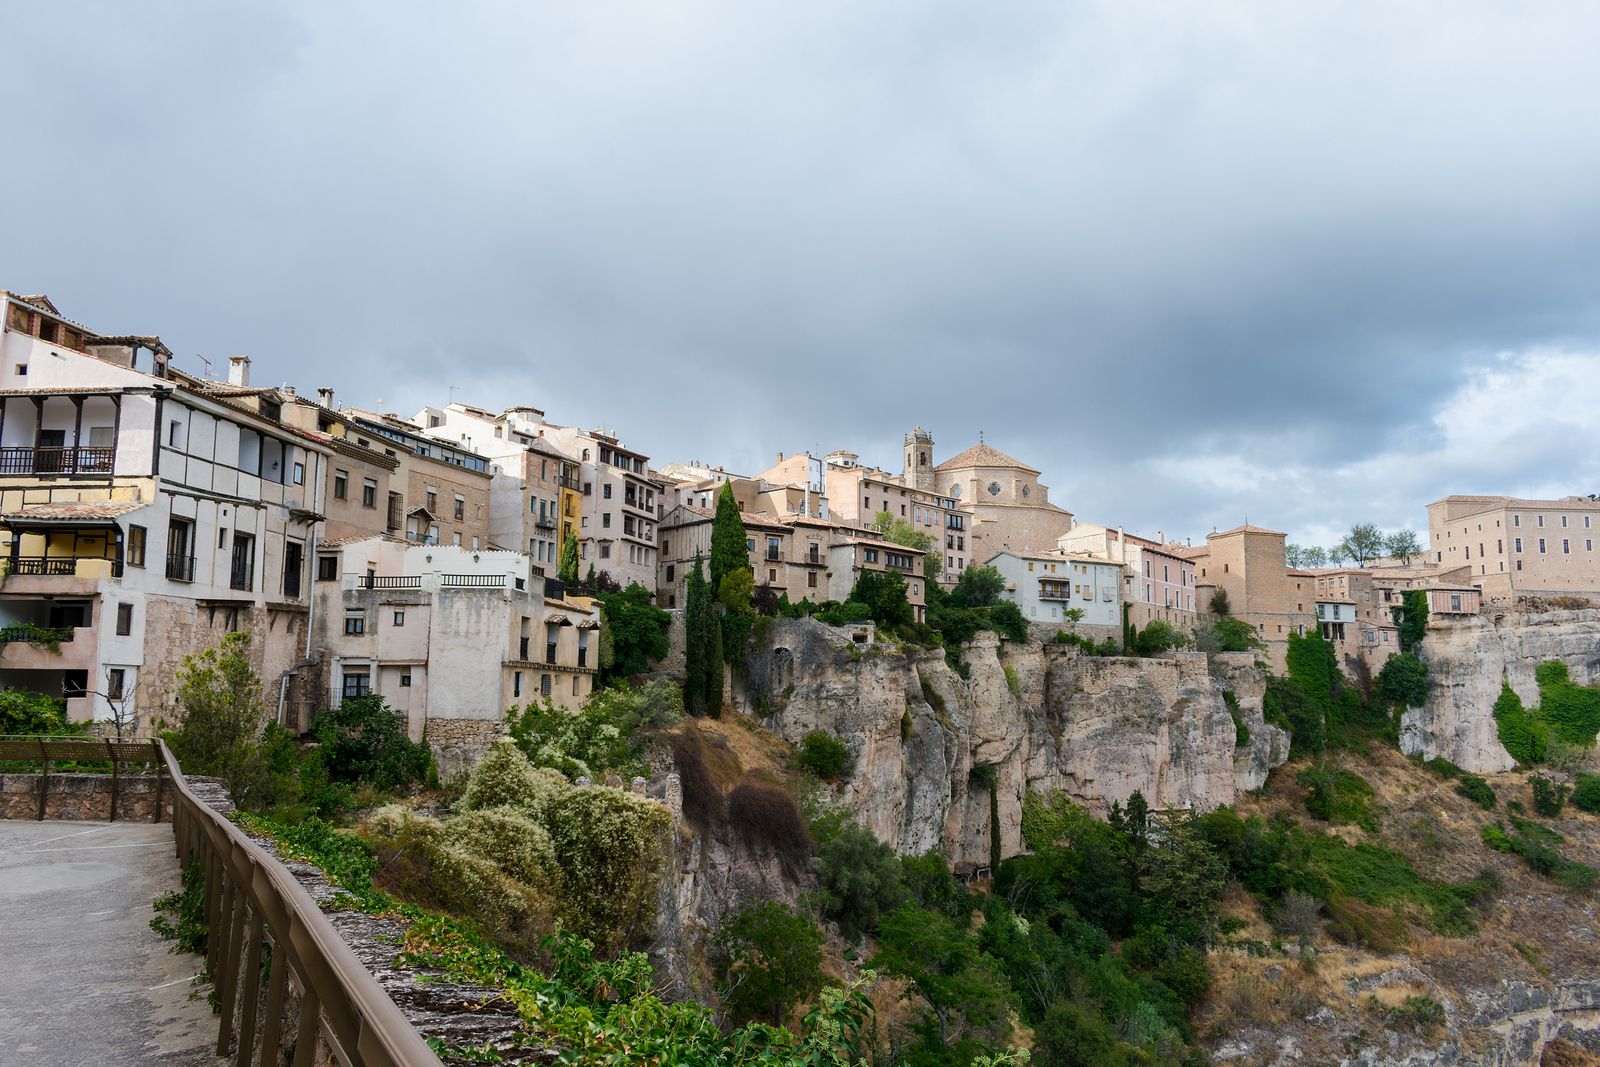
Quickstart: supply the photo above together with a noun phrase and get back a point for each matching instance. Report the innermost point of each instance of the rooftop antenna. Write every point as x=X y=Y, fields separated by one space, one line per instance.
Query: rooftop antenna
x=452 y=394
x=207 y=362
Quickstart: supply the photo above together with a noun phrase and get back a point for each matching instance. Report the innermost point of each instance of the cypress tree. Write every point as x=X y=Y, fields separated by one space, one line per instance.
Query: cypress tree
x=695 y=651
x=713 y=668
x=567 y=570
x=728 y=549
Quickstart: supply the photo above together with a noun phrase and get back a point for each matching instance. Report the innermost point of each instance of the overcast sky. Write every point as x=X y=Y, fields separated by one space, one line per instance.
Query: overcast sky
x=1309 y=263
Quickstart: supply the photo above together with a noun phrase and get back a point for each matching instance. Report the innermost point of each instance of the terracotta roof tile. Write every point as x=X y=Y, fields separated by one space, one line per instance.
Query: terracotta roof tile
x=981 y=455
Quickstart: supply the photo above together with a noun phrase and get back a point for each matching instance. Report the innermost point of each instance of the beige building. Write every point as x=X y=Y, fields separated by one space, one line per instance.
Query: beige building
x=857 y=495
x=1008 y=508
x=1247 y=562
x=445 y=487
x=849 y=556
x=445 y=634
x=1513 y=547
x=788 y=553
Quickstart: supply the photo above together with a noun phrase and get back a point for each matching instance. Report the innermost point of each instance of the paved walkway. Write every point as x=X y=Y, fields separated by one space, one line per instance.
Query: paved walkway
x=84 y=982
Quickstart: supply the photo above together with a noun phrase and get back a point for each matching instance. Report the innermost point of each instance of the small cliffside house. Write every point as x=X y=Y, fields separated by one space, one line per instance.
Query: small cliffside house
x=1159 y=581
x=1248 y=563
x=1045 y=586
x=394 y=616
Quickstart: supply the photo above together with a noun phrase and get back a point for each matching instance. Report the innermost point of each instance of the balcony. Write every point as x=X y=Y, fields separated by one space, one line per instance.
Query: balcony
x=64 y=566
x=180 y=568
x=1054 y=591
x=377 y=581
x=545 y=522
x=15 y=461
x=570 y=483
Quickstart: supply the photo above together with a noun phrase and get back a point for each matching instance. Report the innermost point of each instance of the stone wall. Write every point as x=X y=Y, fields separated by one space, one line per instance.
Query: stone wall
x=458 y=744
x=83 y=797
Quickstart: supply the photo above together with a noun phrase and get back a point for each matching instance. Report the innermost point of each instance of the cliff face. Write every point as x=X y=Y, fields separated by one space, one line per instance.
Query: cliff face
x=1467 y=658
x=1044 y=717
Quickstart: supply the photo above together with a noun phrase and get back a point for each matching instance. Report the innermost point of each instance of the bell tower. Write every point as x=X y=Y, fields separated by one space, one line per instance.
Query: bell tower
x=918 y=471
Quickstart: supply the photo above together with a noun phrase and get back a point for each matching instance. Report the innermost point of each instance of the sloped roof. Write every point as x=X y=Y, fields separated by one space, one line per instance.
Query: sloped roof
x=1246 y=528
x=982 y=455
x=79 y=511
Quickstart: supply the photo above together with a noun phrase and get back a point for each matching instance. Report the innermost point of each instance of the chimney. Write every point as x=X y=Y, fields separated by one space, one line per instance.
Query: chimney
x=325 y=397
x=238 y=370
x=287 y=390
x=780 y=457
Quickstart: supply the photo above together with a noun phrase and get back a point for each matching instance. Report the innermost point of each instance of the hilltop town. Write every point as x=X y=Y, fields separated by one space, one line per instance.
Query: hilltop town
x=146 y=512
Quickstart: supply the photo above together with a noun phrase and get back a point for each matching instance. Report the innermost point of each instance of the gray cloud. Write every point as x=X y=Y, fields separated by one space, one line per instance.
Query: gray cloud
x=1109 y=235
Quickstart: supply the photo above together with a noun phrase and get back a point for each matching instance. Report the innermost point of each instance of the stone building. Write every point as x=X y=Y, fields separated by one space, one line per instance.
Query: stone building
x=1514 y=548
x=1008 y=507
x=143 y=516
x=444 y=487
x=850 y=555
x=859 y=494
x=788 y=553
x=393 y=616
x=1248 y=563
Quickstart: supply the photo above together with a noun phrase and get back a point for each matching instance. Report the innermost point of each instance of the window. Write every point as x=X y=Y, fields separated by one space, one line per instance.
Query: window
x=605 y=521
x=293 y=557
x=242 y=573
x=327 y=568
x=516 y=683
x=116 y=678
x=811 y=579
x=1541 y=544
x=399 y=618
x=1516 y=520
x=461 y=508
x=124 y=620
x=1563 y=522
x=357 y=684
x=1541 y=521
x=433 y=501
x=671 y=571
x=369 y=493
x=605 y=492
x=1516 y=543
x=405 y=679
x=456 y=538
x=299 y=474
x=355 y=623
x=1565 y=546
x=136 y=540
x=175 y=433
x=544 y=685
x=341 y=484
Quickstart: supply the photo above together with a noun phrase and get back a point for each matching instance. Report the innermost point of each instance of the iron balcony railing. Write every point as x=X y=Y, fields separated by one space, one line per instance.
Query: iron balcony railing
x=545 y=522
x=56 y=460
x=180 y=568
x=257 y=911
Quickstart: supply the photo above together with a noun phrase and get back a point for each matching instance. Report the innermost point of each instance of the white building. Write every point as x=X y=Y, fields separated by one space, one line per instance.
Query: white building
x=144 y=515
x=1044 y=587
x=447 y=634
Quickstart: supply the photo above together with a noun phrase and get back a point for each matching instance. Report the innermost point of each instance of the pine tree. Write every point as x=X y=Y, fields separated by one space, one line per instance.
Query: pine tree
x=729 y=552
x=567 y=571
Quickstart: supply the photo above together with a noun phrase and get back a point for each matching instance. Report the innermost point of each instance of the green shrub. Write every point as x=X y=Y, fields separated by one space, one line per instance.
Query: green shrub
x=824 y=756
x=363 y=740
x=770 y=960
x=1522 y=734
x=858 y=880
x=1158 y=637
x=1241 y=732
x=609 y=846
x=1005 y=619
x=1586 y=794
x=1475 y=789
x=604 y=735
x=1572 y=710
x=1548 y=797
x=1013 y=682
x=1496 y=838
x=25 y=712
x=506 y=837
x=1404 y=680
x=1338 y=797
x=1442 y=767
x=1420 y=1013
x=505 y=779
x=181 y=916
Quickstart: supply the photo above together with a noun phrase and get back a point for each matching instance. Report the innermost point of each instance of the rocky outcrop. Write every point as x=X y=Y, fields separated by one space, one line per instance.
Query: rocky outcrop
x=1467 y=659
x=1044 y=717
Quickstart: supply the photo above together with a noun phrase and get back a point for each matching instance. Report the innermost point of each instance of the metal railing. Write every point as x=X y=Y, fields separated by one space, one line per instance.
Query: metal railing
x=252 y=902
x=180 y=568
x=56 y=460
x=41 y=751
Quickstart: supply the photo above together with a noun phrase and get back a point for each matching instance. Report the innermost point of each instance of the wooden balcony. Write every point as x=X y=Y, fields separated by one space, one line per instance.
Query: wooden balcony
x=23 y=461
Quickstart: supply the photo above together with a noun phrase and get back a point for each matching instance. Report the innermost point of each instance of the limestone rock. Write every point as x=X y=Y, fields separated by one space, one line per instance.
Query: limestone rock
x=1467 y=659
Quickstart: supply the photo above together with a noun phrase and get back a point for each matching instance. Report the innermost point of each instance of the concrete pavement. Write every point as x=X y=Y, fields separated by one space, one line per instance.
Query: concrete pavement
x=84 y=981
